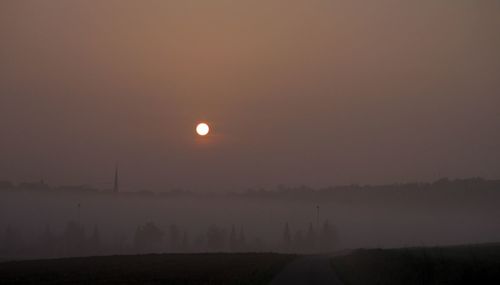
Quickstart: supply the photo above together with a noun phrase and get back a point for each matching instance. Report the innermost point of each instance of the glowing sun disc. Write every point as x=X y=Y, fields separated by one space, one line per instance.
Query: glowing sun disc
x=202 y=129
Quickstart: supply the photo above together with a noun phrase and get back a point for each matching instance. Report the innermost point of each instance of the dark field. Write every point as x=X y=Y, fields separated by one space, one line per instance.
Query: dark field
x=479 y=264
x=148 y=269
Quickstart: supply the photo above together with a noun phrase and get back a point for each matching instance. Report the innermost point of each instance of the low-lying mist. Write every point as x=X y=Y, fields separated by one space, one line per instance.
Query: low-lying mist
x=40 y=222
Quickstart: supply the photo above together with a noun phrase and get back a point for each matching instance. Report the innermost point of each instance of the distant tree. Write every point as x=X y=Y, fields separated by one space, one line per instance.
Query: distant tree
x=175 y=237
x=241 y=240
x=216 y=238
x=185 y=242
x=311 y=239
x=12 y=242
x=119 y=242
x=200 y=243
x=257 y=245
x=95 y=241
x=148 y=238
x=298 y=241
x=329 y=237
x=74 y=239
x=48 y=243
x=287 y=238
x=233 y=240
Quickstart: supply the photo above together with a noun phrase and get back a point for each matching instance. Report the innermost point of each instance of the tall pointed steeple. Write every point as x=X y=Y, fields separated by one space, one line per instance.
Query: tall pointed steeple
x=115 y=185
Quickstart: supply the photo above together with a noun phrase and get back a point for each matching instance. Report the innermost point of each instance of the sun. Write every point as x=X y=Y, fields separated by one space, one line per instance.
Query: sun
x=202 y=129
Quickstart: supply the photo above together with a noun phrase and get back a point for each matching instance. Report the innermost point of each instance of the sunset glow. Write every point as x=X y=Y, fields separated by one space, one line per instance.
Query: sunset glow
x=202 y=129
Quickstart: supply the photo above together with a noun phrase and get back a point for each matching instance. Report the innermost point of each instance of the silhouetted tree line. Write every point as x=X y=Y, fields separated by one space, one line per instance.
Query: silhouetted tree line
x=75 y=240
x=324 y=239
x=72 y=241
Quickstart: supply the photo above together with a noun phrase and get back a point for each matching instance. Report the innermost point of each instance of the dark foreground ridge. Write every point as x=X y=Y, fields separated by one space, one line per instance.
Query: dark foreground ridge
x=473 y=264
x=313 y=270
x=248 y=268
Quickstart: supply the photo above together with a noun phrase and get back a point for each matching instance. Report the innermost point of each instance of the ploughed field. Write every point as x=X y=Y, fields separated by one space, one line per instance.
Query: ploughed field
x=473 y=264
x=210 y=268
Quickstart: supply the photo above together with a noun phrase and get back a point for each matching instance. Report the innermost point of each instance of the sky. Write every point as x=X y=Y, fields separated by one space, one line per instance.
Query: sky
x=296 y=92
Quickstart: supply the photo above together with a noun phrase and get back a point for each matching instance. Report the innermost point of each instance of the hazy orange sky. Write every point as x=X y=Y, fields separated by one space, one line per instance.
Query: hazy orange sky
x=297 y=92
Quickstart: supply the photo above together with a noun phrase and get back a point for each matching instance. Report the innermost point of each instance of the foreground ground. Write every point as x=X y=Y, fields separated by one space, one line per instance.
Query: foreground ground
x=148 y=269
x=313 y=270
x=479 y=264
